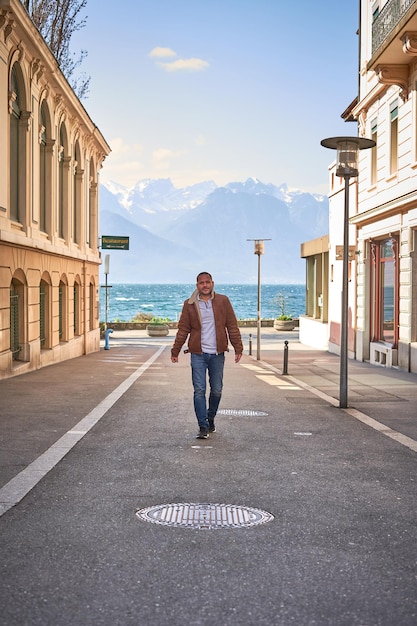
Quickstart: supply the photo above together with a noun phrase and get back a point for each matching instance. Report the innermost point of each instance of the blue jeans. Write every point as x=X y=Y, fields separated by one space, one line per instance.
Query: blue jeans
x=200 y=365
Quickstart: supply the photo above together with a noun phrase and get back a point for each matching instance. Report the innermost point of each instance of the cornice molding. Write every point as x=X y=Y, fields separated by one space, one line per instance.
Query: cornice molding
x=386 y=209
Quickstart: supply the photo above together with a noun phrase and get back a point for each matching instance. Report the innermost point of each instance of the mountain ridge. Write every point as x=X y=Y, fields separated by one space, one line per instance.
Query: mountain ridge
x=176 y=231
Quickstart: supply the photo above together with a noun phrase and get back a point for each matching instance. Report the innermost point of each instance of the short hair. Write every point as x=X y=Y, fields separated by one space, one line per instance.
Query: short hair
x=204 y=274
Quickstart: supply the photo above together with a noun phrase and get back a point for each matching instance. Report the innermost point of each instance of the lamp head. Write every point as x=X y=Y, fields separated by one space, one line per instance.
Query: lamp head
x=347 y=153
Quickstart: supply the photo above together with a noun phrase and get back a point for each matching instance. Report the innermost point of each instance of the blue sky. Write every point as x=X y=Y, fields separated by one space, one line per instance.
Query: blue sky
x=220 y=90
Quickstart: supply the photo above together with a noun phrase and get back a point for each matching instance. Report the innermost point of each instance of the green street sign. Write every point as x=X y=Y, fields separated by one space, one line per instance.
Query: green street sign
x=114 y=243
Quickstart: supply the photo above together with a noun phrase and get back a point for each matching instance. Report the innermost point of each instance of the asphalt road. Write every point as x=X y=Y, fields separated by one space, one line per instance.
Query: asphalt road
x=341 y=549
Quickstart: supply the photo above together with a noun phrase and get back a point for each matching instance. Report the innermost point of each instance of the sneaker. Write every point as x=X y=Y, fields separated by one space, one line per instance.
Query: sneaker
x=203 y=434
x=211 y=428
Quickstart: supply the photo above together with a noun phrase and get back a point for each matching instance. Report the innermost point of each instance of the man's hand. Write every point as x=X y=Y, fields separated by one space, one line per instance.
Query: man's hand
x=174 y=359
x=237 y=358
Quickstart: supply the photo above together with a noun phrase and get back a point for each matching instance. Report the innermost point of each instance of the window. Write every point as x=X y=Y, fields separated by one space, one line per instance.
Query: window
x=76 y=225
x=61 y=186
x=44 y=314
x=92 y=205
x=374 y=155
x=77 y=309
x=385 y=291
x=92 y=303
x=14 y=322
x=63 y=311
x=415 y=120
x=42 y=172
x=42 y=324
x=394 y=137
x=14 y=148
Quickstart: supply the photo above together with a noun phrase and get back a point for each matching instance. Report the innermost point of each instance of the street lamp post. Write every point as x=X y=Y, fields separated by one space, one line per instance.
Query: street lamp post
x=347 y=168
x=259 y=250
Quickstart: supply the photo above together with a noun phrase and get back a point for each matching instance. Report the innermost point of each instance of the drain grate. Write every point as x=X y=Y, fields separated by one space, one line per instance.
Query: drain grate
x=204 y=516
x=241 y=412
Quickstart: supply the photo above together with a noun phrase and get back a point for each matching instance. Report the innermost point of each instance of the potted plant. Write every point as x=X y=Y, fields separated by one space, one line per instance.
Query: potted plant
x=158 y=327
x=283 y=321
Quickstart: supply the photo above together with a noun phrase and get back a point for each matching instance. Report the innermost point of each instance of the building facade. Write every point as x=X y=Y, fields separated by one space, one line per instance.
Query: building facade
x=386 y=219
x=51 y=153
x=383 y=199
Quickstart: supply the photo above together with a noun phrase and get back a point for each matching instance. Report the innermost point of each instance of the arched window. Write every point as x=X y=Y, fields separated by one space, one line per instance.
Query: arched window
x=64 y=161
x=61 y=204
x=44 y=314
x=15 y=320
x=43 y=173
x=77 y=309
x=15 y=132
x=76 y=216
x=92 y=293
x=92 y=220
x=63 y=311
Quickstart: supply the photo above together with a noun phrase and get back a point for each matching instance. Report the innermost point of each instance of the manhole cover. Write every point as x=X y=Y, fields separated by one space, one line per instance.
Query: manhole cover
x=241 y=412
x=204 y=516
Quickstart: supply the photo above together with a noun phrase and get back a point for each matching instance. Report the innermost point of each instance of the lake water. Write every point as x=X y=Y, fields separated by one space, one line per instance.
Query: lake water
x=126 y=301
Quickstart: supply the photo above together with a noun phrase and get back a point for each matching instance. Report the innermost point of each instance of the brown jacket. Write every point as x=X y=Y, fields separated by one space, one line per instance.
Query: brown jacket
x=190 y=324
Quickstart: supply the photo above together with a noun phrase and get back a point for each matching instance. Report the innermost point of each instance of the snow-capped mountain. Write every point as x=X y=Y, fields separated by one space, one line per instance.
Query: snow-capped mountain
x=176 y=231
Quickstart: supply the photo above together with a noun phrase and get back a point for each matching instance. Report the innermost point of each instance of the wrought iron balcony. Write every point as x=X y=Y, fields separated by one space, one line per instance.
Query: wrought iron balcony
x=387 y=20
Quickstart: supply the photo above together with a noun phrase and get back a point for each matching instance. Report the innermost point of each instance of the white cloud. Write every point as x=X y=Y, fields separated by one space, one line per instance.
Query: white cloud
x=123 y=163
x=187 y=65
x=160 y=52
x=179 y=65
x=162 y=157
x=200 y=140
x=119 y=149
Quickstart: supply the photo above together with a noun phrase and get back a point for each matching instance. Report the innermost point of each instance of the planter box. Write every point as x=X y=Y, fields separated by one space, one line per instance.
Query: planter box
x=157 y=330
x=284 y=325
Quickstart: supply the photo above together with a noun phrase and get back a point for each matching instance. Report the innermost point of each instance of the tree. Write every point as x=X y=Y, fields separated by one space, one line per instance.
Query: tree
x=57 y=21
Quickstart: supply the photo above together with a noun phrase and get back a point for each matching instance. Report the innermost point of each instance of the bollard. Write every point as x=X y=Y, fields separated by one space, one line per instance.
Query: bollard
x=106 y=338
x=285 y=367
x=250 y=344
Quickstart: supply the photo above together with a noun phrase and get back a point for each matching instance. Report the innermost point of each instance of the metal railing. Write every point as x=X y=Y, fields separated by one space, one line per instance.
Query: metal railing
x=387 y=19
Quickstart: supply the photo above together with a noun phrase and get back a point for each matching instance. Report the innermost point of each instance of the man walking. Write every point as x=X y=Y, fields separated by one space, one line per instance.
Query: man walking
x=210 y=322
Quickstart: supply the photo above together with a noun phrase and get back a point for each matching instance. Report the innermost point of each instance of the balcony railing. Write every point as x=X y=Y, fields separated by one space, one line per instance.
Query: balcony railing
x=387 y=20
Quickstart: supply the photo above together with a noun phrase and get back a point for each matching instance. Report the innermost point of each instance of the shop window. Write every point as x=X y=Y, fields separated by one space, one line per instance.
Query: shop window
x=385 y=291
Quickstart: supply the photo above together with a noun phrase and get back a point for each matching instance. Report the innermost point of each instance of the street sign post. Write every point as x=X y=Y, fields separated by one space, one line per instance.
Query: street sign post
x=114 y=243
